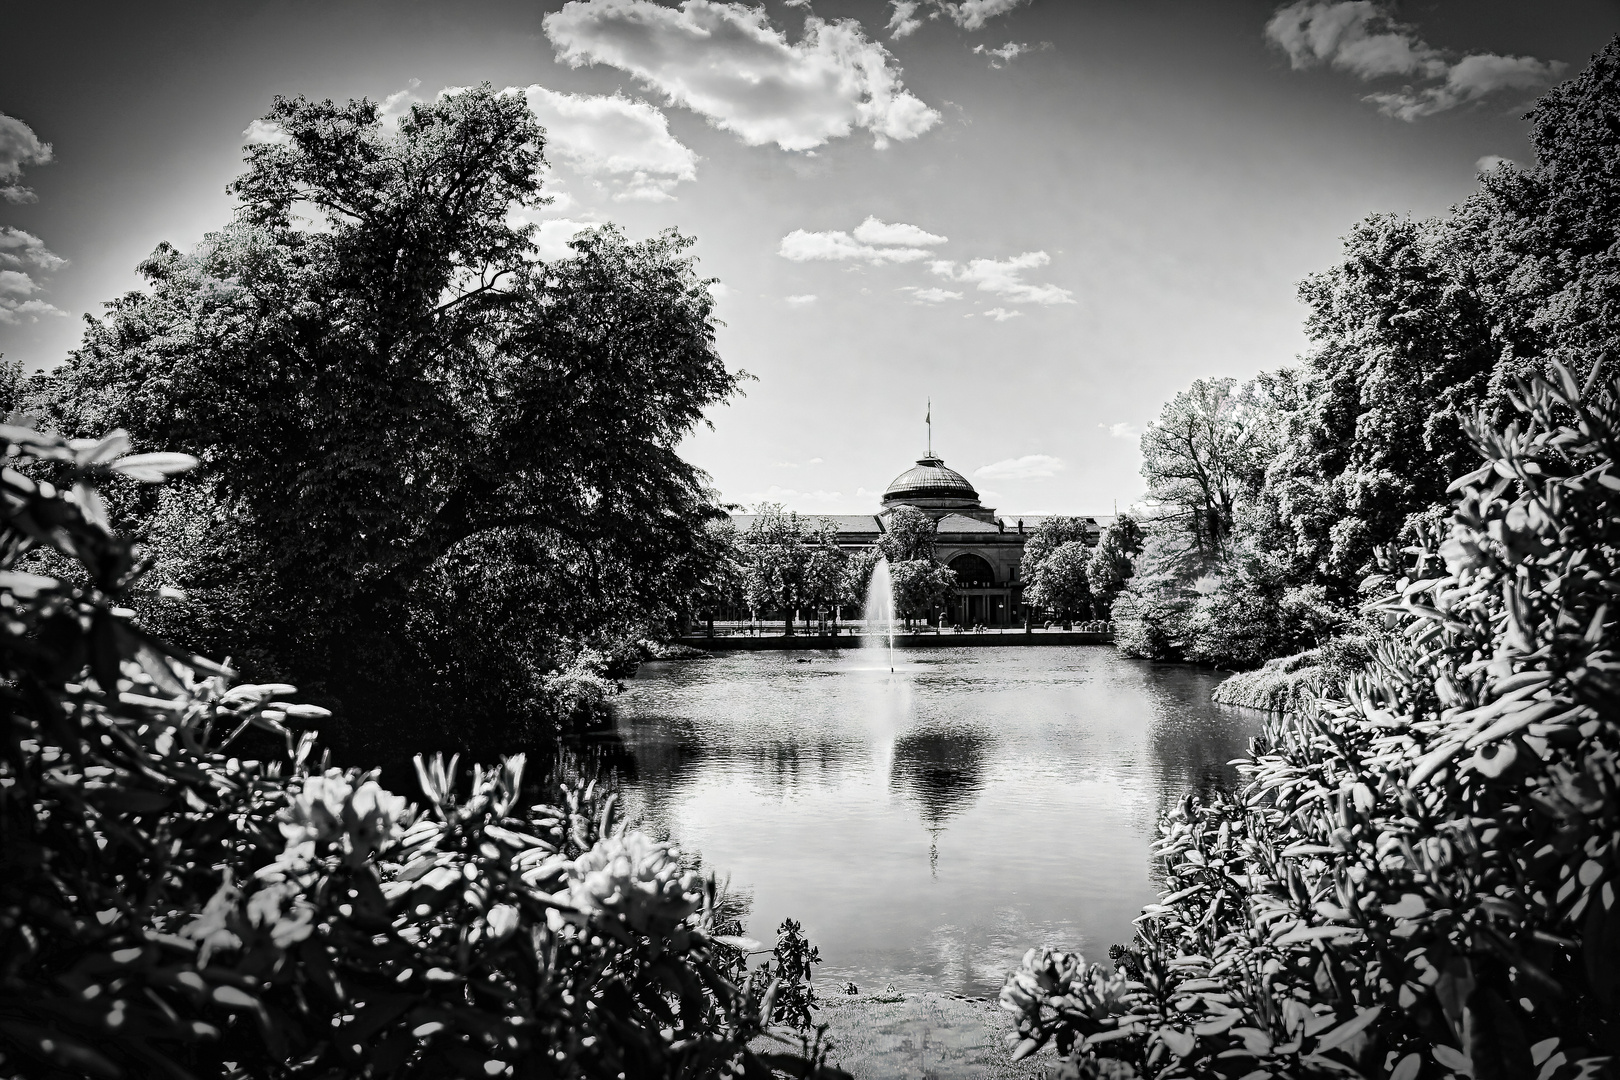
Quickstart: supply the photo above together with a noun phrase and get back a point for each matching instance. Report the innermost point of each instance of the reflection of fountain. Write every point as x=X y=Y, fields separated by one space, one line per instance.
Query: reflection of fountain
x=880 y=609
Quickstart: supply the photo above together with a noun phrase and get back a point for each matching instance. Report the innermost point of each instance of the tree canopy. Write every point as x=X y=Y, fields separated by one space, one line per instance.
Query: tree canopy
x=410 y=425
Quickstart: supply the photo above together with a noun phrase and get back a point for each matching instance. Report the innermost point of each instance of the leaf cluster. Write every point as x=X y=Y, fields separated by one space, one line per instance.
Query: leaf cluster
x=1420 y=878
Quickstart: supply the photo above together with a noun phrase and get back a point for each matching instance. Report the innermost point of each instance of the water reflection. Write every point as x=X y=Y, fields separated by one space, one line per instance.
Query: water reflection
x=929 y=825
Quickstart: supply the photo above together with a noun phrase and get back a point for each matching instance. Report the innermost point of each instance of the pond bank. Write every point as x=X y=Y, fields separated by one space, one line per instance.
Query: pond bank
x=996 y=638
x=923 y=1034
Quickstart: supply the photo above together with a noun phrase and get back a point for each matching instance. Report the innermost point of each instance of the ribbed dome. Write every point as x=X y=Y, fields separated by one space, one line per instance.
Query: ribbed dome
x=930 y=479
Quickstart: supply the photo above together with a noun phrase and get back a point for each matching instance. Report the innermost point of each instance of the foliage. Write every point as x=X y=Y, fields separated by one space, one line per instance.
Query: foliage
x=169 y=908
x=791 y=967
x=786 y=566
x=1199 y=457
x=1420 y=879
x=908 y=535
x=426 y=453
x=1291 y=683
x=921 y=588
x=1060 y=586
x=1113 y=563
x=1051 y=534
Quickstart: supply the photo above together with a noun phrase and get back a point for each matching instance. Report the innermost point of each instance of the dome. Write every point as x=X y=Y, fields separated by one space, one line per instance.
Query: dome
x=930 y=480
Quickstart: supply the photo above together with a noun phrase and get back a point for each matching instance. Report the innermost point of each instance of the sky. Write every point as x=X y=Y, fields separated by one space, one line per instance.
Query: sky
x=1037 y=218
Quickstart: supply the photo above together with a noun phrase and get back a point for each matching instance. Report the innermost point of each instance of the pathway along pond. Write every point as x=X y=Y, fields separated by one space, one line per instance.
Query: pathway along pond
x=925 y=826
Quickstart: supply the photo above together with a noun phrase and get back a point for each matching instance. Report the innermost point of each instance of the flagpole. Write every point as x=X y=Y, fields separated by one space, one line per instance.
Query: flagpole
x=929 y=420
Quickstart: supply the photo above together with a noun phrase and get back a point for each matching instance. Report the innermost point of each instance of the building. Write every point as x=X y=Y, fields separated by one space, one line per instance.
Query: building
x=985 y=550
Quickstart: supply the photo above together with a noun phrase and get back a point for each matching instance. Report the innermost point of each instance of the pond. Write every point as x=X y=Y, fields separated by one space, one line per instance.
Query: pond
x=930 y=824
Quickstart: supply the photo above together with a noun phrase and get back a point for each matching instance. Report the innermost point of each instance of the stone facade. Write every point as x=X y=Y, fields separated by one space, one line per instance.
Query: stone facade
x=985 y=550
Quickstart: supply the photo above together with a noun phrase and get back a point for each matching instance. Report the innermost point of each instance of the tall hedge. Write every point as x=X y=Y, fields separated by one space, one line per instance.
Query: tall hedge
x=1419 y=879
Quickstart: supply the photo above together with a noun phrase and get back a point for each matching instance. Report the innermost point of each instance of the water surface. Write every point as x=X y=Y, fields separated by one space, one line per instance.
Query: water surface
x=926 y=826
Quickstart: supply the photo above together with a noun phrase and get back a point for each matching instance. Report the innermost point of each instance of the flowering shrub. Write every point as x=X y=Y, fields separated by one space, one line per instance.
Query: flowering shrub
x=171 y=909
x=1419 y=879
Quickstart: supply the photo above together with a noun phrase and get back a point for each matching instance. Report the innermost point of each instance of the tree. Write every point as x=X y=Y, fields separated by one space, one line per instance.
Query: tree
x=411 y=427
x=1111 y=564
x=908 y=534
x=1061 y=586
x=1199 y=457
x=921 y=587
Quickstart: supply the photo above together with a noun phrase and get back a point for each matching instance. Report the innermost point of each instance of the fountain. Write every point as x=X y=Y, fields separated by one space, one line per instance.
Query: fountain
x=880 y=610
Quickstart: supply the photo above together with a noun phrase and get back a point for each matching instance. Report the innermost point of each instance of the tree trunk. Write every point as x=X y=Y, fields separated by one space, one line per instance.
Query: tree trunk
x=788 y=625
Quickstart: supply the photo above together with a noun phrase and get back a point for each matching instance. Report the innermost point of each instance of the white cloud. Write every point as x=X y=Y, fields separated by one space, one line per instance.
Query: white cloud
x=395 y=106
x=552 y=237
x=1469 y=80
x=903 y=20
x=873 y=231
x=18 y=248
x=1362 y=38
x=14 y=286
x=1003 y=278
x=19 y=149
x=1492 y=162
x=1006 y=53
x=1028 y=467
x=802 y=246
x=1122 y=430
x=802 y=300
x=613 y=137
x=1001 y=314
x=727 y=62
x=973 y=14
x=930 y=296
x=265 y=131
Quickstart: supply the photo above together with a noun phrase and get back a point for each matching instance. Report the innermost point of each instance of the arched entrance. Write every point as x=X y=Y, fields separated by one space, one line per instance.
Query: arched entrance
x=977 y=601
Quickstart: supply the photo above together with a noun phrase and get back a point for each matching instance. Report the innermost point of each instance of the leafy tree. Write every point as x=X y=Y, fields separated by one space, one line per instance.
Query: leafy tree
x=921 y=587
x=1418 y=879
x=1112 y=563
x=908 y=534
x=1202 y=454
x=787 y=566
x=413 y=431
x=1061 y=586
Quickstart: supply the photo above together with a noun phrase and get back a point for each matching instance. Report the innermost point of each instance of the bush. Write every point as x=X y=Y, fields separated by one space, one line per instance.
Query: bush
x=172 y=908
x=1420 y=879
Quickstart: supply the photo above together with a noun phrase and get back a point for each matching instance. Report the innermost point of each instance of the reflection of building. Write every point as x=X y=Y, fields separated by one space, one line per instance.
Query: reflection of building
x=983 y=549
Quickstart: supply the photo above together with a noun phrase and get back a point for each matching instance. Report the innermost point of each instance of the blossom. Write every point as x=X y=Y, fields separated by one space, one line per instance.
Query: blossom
x=636 y=879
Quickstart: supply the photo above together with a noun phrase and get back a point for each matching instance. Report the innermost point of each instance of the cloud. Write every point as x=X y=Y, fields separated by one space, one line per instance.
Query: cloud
x=1469 y=80
x=802 y=300
x=265 y=131
x=873 y=231
x=1028 y=467
x=903 y=21
x=20 y=148
x=18 y=248
x=395 y=106
x=1122 y=430
x=1001 y=314
x=973 y=14
x=1361 y=37
x=802 y=246
x=551 y=237
x=1492 y=162
x=1003 y=278
x=14 y=309
x=613 y=137
x=930 y=296
x=1007 y=53
x=727 y=62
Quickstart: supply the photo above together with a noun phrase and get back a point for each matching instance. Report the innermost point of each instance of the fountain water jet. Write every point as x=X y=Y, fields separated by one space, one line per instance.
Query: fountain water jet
x=880 y=608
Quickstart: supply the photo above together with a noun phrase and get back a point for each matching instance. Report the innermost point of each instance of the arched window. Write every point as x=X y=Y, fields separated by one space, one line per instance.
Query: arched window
x=972 y=571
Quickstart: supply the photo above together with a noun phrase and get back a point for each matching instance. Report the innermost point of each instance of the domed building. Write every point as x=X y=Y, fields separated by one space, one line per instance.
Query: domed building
x=985 y=550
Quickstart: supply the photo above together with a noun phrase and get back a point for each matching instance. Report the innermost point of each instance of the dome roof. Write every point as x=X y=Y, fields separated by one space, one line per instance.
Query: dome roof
x=930 y=479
